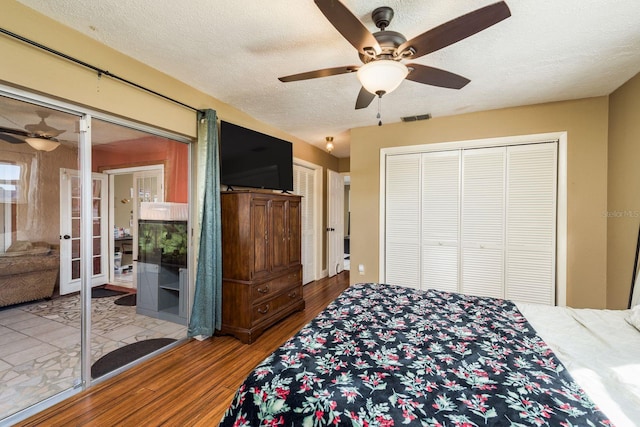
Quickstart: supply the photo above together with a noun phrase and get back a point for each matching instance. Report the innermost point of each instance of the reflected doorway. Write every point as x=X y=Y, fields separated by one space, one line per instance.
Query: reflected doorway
x=128 y=189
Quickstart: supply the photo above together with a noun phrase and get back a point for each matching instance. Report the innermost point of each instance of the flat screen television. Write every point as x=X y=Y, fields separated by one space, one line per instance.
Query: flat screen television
x=253 y=159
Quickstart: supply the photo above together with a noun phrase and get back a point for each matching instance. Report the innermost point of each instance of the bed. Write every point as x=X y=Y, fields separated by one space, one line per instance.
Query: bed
x=384 y=355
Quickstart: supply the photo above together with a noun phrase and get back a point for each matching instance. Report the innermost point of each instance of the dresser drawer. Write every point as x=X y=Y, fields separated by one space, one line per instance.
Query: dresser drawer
x=268 y=289
x=271 y=307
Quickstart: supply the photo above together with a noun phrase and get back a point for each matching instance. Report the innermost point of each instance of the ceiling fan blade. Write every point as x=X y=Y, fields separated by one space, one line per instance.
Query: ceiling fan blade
x=43 y=129
x=456 y=29
x=435 y=77
x=364 y=99
x=10 y=139
x=14 y=131
x=325 y=72
x=348 y=25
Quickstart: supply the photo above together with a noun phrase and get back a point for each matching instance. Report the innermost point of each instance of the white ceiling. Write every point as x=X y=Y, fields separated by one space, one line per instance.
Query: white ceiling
x=548 y=50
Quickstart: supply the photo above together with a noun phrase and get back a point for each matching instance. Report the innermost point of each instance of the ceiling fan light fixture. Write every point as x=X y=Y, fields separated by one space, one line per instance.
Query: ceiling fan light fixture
x=382 y=76
x=42 y=144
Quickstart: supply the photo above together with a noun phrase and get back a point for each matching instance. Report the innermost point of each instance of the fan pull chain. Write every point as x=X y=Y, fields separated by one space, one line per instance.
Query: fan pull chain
x=379 y=107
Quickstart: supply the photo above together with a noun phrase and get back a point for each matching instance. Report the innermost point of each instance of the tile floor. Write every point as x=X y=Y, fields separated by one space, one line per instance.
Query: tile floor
x=40 y=344
x=124 y=278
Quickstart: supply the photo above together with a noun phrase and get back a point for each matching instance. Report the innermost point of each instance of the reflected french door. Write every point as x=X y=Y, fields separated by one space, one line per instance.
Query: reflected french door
x=70 y=254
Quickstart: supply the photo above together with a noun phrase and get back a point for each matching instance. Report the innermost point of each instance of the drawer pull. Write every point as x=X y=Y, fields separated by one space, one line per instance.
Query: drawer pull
x=293 y=294
x=264 y=290
x=264 y=310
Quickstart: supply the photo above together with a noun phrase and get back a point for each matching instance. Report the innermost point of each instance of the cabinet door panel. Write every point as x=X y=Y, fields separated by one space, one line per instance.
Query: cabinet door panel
x=278 y=231
x=295 y=242
x=260 y=236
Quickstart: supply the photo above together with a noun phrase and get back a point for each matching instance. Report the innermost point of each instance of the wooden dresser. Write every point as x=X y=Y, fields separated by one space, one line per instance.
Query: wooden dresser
x=261 y=261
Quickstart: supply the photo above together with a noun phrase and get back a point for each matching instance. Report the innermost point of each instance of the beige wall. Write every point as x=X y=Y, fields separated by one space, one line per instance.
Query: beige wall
x=122 y=212
x=38 y=211
x=623 y=190
x=27 y=67
x=343 y=165
x=586 y=123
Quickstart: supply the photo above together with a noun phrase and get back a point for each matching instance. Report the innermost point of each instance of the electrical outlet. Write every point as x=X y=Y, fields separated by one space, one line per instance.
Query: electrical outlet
x=361 y=269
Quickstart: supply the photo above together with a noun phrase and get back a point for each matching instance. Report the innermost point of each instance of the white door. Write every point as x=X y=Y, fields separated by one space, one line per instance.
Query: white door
x=483 y=222
x=530 y=256
x=304 y=185
x=440 y=220
x=70 y=254
x=402 y=221
x=335 y=223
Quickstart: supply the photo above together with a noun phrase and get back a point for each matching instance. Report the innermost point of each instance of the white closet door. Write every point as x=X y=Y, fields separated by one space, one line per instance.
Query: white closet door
x=483 y=222
x=440 y=220
x=402 y=250
x=303 y=185
x=531 y=223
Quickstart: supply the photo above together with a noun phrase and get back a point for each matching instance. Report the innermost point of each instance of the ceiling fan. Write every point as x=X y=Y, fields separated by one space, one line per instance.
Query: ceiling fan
x=40 y=135
x=382 y=52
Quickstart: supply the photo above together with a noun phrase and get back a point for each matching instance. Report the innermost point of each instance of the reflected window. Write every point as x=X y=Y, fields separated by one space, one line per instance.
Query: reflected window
x=10 y=188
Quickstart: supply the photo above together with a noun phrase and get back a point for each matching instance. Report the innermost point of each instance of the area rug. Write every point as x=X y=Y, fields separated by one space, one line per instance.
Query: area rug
x=127 y=300
x=101 y=292
x=127 y=354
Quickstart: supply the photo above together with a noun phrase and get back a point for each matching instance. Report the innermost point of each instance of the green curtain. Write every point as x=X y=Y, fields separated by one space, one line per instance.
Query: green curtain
x=206 y=315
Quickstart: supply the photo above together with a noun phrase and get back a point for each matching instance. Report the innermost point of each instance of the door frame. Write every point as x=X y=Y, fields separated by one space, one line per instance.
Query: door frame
x=134 y=228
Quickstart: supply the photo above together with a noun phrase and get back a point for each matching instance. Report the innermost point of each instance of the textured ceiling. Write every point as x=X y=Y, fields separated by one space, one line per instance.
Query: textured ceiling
x=548 y=50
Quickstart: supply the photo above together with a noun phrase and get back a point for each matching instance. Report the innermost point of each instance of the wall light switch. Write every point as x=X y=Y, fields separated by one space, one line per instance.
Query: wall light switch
x=361 y=269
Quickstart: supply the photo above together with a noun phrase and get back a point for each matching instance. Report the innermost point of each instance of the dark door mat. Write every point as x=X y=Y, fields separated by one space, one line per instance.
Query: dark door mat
x=103 y=293
x=127 y=300
x=127 y=354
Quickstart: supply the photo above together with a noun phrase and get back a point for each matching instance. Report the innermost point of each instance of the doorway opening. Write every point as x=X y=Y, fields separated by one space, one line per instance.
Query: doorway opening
x=347 y=222
x=128 y=189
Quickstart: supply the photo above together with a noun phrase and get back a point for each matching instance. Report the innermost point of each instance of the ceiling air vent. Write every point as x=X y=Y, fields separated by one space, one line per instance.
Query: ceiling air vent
x=416 y=118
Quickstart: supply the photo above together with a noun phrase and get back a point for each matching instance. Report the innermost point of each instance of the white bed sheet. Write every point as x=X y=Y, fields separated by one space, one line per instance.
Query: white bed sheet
x=600 y=350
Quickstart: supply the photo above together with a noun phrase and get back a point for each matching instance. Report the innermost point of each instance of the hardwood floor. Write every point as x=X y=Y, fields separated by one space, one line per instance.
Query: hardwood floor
x=190 y=385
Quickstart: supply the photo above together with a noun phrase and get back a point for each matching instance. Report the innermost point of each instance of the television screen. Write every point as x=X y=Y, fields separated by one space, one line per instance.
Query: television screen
x=253 y=159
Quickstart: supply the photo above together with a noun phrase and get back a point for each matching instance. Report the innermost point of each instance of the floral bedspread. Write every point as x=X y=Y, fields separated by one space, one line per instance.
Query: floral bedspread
x=383 y=355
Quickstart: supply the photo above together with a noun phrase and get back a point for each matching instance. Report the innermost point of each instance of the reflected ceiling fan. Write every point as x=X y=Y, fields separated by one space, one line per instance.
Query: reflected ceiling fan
x=382 y=52
x=40 y=135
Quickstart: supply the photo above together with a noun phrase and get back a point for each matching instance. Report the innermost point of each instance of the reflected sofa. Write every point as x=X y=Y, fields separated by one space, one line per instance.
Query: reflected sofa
x=28 y=272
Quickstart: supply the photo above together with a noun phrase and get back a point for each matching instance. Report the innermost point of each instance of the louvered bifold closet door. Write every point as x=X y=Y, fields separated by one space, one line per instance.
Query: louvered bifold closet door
x=303 y=186
x=531 y=223
x=402 y=227
x=440 y=220
x=483 y=222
